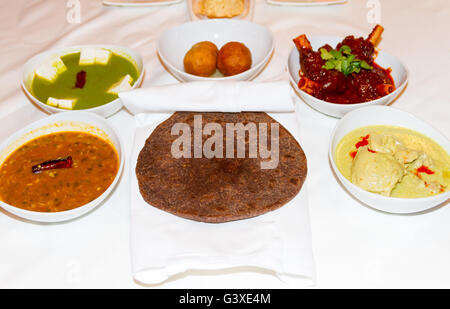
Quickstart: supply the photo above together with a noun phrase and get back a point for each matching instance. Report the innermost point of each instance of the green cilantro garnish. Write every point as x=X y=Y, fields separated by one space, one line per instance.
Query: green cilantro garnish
x=343 y=61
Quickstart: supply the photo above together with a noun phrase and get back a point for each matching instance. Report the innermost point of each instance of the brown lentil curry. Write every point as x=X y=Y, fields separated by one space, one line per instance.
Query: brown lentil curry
x=94 y=166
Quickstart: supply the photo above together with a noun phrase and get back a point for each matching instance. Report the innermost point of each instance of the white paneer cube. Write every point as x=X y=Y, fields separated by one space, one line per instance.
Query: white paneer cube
x=61 y=103
x=66 y=104
x=124 y=84
x=92 y=55
x=87 y=56
x=49 y=70
x=58 y=64
x=102 y=56
x=52 y=102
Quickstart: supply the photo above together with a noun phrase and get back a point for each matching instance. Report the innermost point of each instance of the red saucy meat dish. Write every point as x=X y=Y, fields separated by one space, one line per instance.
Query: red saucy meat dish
x=346 y=74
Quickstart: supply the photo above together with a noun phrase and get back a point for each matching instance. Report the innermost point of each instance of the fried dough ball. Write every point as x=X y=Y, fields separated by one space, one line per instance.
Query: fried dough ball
x=207 y=44
x=234 y=58
x=201 y=59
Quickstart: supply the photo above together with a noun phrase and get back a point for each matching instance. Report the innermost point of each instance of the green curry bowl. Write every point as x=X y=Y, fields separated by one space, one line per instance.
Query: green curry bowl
x=87 y=77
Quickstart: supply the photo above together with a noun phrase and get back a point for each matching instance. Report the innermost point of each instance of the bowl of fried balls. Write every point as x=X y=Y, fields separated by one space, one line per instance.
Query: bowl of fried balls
x=217 y=49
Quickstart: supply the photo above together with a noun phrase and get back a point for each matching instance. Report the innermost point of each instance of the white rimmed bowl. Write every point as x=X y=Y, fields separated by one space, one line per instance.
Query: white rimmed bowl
x=104 y=110
x=174 y=43
x=385 y=115
x=399 y=74
x=79 y=121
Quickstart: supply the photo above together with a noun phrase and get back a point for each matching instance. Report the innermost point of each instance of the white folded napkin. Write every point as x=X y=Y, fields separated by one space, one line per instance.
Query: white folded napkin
x=163 y=245
x=223 y=96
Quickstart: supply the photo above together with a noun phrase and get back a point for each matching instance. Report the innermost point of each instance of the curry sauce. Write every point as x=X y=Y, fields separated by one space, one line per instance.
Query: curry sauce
x=94 y=166
x=394 y=161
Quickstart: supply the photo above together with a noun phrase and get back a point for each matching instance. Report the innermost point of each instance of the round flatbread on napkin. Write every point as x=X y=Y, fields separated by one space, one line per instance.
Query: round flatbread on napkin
x=216 y=190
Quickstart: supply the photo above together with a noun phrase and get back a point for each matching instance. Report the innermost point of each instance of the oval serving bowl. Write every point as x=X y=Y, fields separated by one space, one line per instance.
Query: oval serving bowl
x=399 y=74
x=104 y=110
x=78 y=121
x=174 y=43
x=385 y=115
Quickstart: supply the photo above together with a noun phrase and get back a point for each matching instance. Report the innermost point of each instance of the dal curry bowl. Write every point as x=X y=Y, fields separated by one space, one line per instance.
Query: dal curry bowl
x=390 y=160
x=59 y=168
x=87 y=78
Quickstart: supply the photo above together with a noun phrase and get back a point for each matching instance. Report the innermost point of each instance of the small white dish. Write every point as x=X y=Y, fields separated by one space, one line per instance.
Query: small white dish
x=194 y=13
x=385 y=115
x=174 y=43
x=78 y=121
x=399 y=74
x=104 y=110
x=305 y=2
x=139 y=3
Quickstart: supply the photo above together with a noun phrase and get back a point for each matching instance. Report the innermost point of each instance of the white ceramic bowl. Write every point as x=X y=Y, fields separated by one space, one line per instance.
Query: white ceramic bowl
x=73 y=121
x=104 y=110
x=385 y=115
x=399 y=74
x=174 y=43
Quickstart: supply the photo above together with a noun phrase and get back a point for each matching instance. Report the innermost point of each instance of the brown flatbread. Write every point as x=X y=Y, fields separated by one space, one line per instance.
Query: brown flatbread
x=218 y=189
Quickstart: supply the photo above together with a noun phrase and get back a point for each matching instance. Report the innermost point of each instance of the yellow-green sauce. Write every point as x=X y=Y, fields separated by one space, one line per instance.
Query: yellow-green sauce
x=394 y=161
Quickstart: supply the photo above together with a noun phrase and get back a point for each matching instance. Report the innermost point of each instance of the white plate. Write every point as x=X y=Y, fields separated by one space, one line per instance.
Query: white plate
x=385 y=115
x=104 y=110
x=305 y=2
x=399 y=74
x=78 y=121
x=175 y=42
x=246 y=15
x=139 y=3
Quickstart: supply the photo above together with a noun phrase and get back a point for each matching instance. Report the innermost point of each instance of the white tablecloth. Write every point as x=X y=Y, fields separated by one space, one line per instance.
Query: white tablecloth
x=354 y=246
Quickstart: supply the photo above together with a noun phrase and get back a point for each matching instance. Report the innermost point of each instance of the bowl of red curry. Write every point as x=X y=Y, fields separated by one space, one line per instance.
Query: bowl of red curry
x=59 y=168
x=335 y=75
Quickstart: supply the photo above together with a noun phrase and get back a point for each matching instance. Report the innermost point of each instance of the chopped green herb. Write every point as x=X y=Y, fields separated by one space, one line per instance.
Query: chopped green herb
x=343 y=61
x=346 y=49
x=325 y=54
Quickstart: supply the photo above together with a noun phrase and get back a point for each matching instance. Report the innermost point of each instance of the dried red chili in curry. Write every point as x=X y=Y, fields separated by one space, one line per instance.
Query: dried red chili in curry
x=81 y=79
x=94 y=166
